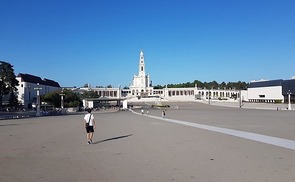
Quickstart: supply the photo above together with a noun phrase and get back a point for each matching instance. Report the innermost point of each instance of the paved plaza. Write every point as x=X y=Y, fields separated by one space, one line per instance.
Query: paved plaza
x=194 y=142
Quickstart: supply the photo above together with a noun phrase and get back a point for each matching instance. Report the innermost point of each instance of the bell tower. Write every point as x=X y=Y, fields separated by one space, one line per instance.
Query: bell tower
x=140 y=85
x=141 y=70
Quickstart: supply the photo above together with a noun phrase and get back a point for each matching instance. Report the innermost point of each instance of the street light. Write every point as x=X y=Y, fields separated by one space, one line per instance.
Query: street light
x=38 y=99
x=209 y=96
x=62 y=98
x=289 y=100
x=29 y=93
x=119 y=97
x=1 y=94
x=240 y=101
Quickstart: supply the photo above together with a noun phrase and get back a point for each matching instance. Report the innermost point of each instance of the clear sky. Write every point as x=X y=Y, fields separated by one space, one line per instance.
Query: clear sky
x=98 y=41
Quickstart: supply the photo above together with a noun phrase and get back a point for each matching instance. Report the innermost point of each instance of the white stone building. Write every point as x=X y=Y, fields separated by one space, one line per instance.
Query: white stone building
x=27 y=93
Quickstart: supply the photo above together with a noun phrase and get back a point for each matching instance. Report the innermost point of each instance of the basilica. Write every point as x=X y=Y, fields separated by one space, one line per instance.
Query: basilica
x=141 y=84
x=141 y=89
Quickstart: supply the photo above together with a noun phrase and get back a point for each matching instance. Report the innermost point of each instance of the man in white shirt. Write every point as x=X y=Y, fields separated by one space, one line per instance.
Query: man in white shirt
x=89 y=125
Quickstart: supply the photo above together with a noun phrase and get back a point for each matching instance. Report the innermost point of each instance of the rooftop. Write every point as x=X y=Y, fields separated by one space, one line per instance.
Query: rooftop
x=35 y=79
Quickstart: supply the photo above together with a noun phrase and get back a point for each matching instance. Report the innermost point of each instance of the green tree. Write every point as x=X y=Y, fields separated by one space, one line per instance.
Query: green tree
x=52 y=98
x=13 y=102
x=230 y=85
x=241 y=85
x=207 y=85
x=222 y=85
x=199 y=84
x=8 y=81
x=214 y=84
x=71 y=99
x=158 y=87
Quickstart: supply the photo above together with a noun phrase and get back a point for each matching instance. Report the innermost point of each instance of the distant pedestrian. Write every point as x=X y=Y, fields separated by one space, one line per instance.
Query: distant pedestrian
x=142 y=111
x=163 y=114
x=89 y=125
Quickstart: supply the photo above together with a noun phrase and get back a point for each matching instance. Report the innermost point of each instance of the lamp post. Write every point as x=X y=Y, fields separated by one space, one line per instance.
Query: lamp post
x=1 y=94
x=38 y=99
x=30 y=103
x=240 y=99
x=209 y=96
x=289 y=100
x=62 y=98
x=119 y=97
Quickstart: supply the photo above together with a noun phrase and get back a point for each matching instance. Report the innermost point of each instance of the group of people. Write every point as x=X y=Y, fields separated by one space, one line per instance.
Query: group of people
x=163 y=113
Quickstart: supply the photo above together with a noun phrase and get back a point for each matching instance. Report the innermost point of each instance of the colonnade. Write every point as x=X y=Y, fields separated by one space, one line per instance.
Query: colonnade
x=166 y=92
x=266 y=100
x=218 y=93
x=108 y=93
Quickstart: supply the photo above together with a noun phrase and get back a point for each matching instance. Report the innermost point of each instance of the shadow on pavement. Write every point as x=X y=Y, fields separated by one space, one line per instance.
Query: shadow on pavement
x=110 y=139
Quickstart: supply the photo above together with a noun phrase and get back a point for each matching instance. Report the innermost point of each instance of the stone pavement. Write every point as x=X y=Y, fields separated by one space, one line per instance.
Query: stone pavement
x=249 y=105
x=132 y=147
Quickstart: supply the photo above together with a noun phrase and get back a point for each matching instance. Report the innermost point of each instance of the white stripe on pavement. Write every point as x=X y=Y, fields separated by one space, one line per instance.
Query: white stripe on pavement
x=285 y=143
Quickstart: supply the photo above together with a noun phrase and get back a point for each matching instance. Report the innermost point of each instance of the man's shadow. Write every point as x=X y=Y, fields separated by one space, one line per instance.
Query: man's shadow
x=110 y=139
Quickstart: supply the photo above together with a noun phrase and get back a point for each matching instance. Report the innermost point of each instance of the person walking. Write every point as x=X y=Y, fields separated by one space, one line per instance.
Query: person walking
x=89 y=125
x=163 y=114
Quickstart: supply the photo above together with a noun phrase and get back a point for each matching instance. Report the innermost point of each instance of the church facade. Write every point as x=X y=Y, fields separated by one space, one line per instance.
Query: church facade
x=141 y=85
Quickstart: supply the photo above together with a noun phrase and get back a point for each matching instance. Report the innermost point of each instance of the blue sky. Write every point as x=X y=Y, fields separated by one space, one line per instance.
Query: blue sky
x=98 y=41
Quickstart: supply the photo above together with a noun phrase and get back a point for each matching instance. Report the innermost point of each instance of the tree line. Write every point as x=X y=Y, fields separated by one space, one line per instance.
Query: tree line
x=207 y=85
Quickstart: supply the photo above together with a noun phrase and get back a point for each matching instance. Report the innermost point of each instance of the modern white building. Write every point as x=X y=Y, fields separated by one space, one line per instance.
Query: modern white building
x=27 y=89
x=273 y=91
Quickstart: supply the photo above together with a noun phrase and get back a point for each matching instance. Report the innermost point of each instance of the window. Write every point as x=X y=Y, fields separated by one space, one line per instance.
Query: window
x=261 y=96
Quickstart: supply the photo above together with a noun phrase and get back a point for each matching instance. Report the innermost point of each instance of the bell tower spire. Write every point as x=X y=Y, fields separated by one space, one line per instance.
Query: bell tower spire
x=141 y=64
x=141 y=74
